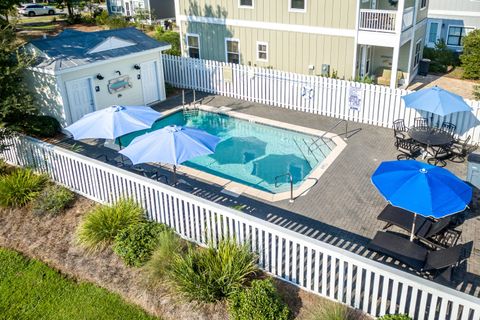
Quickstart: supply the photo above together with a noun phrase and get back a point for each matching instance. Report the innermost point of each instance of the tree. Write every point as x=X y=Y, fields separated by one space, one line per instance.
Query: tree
x=476 y=92
x=471 y=55
x=7 y=7
x=16 y=103
x=172 y=38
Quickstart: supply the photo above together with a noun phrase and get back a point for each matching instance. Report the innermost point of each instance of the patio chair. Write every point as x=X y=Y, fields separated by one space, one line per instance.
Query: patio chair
x=438 y=155
x=436 y=263
x=421 y=123
x=449 y=127
x=399 y=129
x=460 y=149
x=408 y=148
x=436 y=234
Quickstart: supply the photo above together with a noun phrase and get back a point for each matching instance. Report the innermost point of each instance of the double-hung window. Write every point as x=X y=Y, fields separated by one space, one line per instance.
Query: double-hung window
x=262 y=51
x=245 y=4
x=456 y=34
x=193 y=46
x=232 y=50
x=418 y=50
x=423 y=4
x=297 y=5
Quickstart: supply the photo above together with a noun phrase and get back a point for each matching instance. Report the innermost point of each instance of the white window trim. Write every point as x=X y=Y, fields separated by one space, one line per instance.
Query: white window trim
x=188 y=47
x=258 y=51
x=226 y=48
x=448 y=32
x=290 y=9
x=415 y=66
x=426 y=5
x=246 y=7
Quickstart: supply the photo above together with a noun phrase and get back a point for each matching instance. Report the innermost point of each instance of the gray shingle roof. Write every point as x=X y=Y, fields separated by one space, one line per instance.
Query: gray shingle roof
x=70 y=48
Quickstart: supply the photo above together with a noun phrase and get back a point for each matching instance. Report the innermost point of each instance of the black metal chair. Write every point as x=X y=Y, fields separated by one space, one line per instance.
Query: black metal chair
x=438 y=155
x=460 y=149
x=436 y=263
x=421 y=123
x=399 y=129
x=449 y=127
x=408 y=148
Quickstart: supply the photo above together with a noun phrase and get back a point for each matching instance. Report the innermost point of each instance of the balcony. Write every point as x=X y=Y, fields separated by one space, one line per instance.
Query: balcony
x=384 y=20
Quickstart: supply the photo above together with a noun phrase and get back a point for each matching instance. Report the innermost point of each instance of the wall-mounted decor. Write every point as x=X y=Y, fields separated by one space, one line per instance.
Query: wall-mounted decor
x=119 y=84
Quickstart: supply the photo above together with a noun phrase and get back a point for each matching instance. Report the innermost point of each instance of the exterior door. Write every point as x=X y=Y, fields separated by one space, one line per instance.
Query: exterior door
x=365 y=61
x=80 y=98
x=149 y=77
x=433 y=32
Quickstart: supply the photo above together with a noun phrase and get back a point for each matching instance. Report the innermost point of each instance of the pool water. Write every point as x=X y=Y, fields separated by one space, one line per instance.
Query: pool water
x=250 y=153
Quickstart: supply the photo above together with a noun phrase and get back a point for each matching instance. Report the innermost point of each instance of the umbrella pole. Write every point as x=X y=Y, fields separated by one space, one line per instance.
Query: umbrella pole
x=174 y=174
x=413 y=227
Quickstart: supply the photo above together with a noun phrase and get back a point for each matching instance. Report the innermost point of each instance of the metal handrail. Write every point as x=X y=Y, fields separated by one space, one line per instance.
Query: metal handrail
x=290 y=177
x=330 y=129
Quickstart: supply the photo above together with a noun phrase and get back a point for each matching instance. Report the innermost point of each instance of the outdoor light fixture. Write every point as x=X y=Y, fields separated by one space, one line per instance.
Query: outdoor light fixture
x=136 y=67
x=119 y=73
x=99 y=77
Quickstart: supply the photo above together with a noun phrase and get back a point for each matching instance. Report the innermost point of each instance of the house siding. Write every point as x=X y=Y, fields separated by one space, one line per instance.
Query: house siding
x=303 y=49
x=455 y=5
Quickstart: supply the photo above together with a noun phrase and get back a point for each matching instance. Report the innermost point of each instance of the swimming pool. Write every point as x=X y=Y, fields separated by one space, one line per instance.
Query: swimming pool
x=250 y=153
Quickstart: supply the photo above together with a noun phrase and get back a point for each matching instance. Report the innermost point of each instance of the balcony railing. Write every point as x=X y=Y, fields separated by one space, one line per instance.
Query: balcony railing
x=407 y=18
x=378 y=20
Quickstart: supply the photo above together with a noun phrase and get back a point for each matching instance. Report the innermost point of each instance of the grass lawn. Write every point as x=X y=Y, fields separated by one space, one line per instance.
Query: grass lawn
x=29 y=289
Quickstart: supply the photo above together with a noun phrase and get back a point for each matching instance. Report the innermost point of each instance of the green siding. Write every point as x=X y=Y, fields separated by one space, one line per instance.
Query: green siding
x=288 y=51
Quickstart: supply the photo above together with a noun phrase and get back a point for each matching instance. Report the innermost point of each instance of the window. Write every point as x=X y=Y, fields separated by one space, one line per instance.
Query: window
x=245 y=4
x=456 y=34
x=262 y=51
x=418 y=50
x=232 y=47
x=433 y=32
x=423 y=4
x=193 y=46
x=297 y=5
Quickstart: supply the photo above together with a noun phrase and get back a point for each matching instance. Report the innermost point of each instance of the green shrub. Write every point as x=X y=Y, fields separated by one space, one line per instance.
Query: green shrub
x=260 y=302
x=101 y=18
x=117 y=22
x=41 y=126
x=169 y=89
x=135 y=243
x=395 y=317
x=160 y=263
x=20 y=187
x=471 y=55
x=74 y=18
x=441 y=57
x=170 y=37
x=3 y=167
x=53 y=200
x=365 y=79
x=211 y=274
x=101 y=225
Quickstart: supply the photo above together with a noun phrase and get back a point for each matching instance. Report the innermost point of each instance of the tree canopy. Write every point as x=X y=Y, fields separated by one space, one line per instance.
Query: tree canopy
x=471 y=55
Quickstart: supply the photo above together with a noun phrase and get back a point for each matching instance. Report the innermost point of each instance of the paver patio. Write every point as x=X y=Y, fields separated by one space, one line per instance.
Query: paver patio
x=342 y=207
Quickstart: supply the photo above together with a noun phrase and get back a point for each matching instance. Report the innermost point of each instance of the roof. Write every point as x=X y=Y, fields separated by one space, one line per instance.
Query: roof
x=73 y=48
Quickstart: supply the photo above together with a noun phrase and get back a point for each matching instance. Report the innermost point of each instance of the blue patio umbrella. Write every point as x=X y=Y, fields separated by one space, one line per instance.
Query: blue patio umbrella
x=171 y=144
x=421 y=188
x=436 y=100
x=239 y=150
x=113 y=122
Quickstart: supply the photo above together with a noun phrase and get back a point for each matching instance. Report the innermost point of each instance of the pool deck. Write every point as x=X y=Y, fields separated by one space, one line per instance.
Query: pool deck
x=341 y=208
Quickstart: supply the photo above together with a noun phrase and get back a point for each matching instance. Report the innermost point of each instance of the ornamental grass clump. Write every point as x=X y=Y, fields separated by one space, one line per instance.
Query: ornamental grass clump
x=261 y=301
x=136 y=243
x=209 y=275
x=101 y=225
x=20 y=187
x=53 y=200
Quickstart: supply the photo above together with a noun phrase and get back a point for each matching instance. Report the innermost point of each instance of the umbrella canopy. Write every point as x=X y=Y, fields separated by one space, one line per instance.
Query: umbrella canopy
x=113 y=122
x=239 y=150
x=274 y=165
x=172 y=144
x=436 y=100
x=421 y=188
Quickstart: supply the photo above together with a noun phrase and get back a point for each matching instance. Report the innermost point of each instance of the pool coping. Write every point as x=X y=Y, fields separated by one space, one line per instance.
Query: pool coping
x=235 y=188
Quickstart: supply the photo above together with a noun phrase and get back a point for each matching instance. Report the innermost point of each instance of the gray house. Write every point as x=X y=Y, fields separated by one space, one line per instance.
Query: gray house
x=451 y=20
x=79 y=72
x=159 y=9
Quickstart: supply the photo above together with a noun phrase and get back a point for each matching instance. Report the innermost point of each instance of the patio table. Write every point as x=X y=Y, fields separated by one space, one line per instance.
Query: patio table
x=430 y=136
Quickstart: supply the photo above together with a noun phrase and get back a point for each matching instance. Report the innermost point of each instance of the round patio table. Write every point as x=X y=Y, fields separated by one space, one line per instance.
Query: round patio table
x=430 y=136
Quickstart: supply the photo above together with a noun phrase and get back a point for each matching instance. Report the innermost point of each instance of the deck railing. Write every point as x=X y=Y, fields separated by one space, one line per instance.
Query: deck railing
x=377 y=20
x=353 y=101
x=312 y=265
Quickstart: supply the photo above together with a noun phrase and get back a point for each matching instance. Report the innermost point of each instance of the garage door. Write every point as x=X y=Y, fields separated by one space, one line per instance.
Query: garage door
x=80 y=98
x=150 y=81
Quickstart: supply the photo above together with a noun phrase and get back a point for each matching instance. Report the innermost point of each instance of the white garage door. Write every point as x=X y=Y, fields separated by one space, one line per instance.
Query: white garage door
x=80 y=98
x=150 y=82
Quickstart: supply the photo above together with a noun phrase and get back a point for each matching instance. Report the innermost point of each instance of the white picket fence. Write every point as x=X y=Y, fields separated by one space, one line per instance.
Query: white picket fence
x=379 y=105
x=310 y=264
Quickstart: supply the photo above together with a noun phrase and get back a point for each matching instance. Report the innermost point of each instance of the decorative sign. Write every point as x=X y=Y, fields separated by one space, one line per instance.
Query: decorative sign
x=227 y=74
x=119 y=84
x=307 y=92
x=354 y=98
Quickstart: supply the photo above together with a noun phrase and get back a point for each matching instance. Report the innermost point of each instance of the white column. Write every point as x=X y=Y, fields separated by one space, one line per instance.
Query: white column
x=355 y=42
x=412 y=44
x=396 y=48
x=180 y=26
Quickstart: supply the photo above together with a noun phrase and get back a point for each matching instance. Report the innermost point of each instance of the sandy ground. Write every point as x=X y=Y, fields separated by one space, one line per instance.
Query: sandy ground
x=51 y=239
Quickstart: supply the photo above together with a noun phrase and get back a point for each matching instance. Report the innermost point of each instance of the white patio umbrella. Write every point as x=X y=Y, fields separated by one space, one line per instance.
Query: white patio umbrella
x=172 y=144
x=113 y=122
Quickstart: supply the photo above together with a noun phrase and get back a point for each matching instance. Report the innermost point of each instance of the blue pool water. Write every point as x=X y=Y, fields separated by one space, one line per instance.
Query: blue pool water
x=249 y=153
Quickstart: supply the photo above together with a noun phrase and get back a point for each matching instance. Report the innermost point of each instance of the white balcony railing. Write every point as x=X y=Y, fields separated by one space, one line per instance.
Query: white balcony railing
x=407 y=21
x=378 y=20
